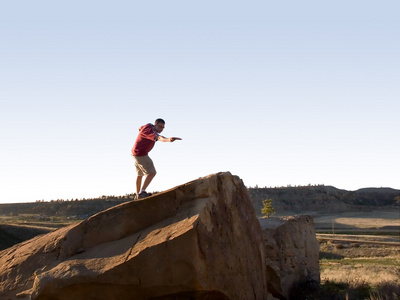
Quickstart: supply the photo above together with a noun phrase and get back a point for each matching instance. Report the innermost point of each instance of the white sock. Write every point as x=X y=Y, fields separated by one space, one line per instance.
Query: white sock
x=141 y=191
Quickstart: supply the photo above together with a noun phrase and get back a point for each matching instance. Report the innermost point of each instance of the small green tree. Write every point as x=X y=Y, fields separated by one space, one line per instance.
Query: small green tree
x=267 y=209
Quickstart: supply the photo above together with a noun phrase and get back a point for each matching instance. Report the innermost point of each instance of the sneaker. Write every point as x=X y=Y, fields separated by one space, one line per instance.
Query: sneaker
x=144 y=195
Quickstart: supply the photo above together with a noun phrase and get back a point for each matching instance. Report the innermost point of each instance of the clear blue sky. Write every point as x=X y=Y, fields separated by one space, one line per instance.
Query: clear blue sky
x=276 y=92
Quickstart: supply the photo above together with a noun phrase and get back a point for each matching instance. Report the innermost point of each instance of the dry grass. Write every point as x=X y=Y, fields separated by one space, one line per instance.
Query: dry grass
x=383 y=220
x=351 y=270
x=369 y=271
x=363 y=262
x=364 y=222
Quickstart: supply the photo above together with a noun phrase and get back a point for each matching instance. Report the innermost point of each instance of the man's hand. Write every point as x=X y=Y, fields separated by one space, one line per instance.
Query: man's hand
x=171 y=139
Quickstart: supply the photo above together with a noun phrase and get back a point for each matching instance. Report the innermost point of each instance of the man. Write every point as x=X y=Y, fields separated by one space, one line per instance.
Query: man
x=148 y=135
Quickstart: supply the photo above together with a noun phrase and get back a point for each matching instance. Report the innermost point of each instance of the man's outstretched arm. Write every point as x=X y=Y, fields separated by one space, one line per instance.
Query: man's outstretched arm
x=165 y=139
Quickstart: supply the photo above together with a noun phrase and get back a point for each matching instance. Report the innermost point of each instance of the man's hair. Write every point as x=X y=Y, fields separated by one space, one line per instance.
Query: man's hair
x=159 y=121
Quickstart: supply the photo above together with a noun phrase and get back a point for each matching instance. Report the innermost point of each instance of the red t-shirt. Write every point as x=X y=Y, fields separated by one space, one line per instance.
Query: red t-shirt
x=145 y=141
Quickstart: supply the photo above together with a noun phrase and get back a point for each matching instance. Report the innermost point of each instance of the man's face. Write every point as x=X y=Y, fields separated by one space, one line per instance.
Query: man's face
x=159 y=127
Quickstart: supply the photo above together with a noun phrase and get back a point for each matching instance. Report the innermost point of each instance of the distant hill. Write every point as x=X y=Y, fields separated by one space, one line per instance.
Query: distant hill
x=323 y=198
x=378 y=190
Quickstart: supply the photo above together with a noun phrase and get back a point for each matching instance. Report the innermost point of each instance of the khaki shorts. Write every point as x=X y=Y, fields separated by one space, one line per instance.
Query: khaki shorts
x=144 y=165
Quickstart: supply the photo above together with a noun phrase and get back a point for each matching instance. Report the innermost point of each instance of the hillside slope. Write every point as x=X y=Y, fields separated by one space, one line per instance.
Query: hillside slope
x=323 y=199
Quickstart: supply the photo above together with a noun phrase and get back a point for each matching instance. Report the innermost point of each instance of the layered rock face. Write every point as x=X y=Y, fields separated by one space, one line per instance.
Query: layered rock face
x=200 y=240
x=292 y=251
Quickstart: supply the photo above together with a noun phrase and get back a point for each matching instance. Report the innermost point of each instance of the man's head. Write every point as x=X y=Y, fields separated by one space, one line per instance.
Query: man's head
x=159 y=125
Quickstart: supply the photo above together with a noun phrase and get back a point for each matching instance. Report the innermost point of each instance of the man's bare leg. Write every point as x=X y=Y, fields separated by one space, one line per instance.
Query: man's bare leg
x=138 y=185
x=147 y=181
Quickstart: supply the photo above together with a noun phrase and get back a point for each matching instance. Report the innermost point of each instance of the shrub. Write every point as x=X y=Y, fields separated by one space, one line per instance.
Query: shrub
x=267 y=209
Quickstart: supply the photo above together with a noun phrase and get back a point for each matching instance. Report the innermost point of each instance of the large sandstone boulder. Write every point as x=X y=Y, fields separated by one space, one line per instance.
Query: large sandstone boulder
x=200 y=240
x=292 y=251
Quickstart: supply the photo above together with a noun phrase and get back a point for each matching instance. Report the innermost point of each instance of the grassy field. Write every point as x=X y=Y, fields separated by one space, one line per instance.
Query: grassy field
x=366 y=269
x=376 y=222
x=363 y=261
